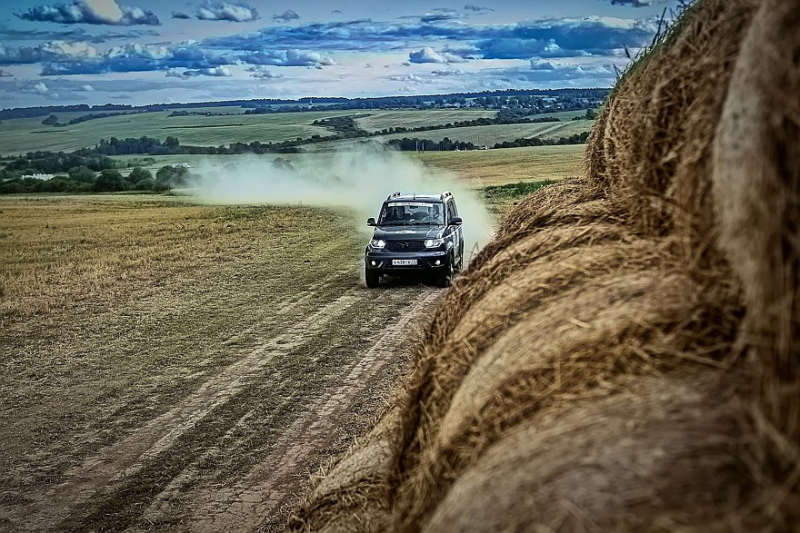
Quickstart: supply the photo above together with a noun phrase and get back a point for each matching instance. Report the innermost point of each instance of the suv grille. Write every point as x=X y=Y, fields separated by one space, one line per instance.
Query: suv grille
x=405 y=246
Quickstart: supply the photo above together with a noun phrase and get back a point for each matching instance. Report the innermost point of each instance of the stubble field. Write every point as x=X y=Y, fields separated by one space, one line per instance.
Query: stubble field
x=183 y=367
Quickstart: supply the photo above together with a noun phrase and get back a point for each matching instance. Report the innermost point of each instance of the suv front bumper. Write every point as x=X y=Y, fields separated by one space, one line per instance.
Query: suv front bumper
x=385 y=262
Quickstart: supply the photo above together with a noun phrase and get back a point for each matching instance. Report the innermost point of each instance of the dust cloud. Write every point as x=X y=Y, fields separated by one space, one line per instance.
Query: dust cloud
x=360 y=181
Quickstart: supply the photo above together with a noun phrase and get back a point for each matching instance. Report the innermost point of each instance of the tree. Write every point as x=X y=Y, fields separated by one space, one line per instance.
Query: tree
x=81 y=173
x=138 y=174
x=52 y=120
x=172 y=142
x=109 y=181
x=591 y=114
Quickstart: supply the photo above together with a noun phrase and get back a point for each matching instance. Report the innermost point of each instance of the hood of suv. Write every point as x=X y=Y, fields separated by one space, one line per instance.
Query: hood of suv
x=408 y=233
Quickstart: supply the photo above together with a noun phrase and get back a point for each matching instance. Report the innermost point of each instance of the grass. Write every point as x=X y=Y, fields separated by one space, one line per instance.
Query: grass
x=500 y=199
x=19 y=136
x=412 y=118
x=24 y=135
x=481 y=168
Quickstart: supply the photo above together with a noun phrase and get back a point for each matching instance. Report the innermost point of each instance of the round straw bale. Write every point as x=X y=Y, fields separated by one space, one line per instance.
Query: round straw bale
x=659 y=129
x=586 y=372
x=352 y=496
x=757 y=193
x=656 y=456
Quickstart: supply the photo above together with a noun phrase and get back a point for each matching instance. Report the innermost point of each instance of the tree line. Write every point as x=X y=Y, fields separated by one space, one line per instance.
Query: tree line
x=84 y=180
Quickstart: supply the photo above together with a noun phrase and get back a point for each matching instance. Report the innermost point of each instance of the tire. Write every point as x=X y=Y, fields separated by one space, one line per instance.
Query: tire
x=445 y=278
x=372 y=278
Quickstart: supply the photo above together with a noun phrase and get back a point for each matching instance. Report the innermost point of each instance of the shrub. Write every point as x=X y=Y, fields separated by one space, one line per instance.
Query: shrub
x=138 y=174
x=110 y=181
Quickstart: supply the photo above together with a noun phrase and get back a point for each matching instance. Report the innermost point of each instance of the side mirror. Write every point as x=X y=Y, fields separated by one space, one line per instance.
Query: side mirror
x=456 y=221
x=370 y=221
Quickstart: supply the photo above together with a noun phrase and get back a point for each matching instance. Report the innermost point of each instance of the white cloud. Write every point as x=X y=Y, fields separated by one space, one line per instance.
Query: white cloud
x=77 y=50
x=239 y=12
x=263 y=74
x=288 y=58
x=429 y=55
x=217 y=72
x=91 y=12
x=32 y=87
x=137 y=50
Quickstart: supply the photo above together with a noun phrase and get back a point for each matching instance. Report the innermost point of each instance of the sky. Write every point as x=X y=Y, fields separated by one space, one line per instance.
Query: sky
x=158 y=51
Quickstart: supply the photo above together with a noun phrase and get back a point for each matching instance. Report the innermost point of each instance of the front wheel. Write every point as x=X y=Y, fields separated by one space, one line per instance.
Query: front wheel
x=445 y=278
x=372 y=278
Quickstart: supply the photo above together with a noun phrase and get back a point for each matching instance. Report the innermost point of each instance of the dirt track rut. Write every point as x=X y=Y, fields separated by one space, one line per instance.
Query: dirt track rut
x=233 y=454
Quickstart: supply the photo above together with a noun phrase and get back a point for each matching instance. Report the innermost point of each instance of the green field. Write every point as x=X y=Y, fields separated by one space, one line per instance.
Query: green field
x=499 y=167
x=18 y=136
x=489 y=135
x=411 y=118
x=23 y=135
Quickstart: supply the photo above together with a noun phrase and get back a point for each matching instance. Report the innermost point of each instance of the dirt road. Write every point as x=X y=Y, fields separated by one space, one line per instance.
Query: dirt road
x=202 y=404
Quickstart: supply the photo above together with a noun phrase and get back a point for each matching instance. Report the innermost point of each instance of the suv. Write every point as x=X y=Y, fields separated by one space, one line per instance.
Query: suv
x=415 y=234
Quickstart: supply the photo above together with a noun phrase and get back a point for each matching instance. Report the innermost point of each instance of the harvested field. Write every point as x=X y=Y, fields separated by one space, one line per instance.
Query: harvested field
x=183 y=367
x=624 y=355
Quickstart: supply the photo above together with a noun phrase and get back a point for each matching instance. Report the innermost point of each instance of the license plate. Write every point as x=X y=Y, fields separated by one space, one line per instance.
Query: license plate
x=404 y=262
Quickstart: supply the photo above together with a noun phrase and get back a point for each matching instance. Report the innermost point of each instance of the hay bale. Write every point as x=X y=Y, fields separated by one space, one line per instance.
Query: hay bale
x=659 y=124
x=586 y=372
x=606 y=463
x=757 y=190
x=350 y=496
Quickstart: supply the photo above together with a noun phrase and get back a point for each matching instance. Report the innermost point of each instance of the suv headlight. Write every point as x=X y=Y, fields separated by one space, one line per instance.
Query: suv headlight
x=377 y=243
x=433 y=243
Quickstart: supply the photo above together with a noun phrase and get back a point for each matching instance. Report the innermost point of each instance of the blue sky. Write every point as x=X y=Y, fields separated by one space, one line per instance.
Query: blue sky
x=146 y=51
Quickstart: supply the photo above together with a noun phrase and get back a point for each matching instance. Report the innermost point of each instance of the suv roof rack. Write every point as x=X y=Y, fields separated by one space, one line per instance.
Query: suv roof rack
x=393 y=195
x=445 y=194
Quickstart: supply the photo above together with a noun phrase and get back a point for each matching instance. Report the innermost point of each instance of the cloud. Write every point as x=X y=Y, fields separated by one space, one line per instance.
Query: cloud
x=448 y=73
x=288 y=58
x=217 y=72
x=55 y=51
x=86 y=88
x=263 y=74
x=429 y=55
x=91 y=12
x=32 y=87
x=138 y=58
x=76 y=34
x=238 y=12
x=541 y=65
x=180 y=15
x=5 y=74
x=634 y=3
x=409 y=78
x=286 y=16
x=336 y=12
x=477 y=9
x=441 y=17
x=569 y=37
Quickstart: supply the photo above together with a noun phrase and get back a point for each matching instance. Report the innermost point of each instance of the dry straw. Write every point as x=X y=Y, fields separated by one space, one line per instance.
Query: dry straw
x=624 y=355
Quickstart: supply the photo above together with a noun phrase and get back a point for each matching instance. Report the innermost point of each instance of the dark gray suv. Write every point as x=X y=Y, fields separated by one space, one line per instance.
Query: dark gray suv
x=416 y=234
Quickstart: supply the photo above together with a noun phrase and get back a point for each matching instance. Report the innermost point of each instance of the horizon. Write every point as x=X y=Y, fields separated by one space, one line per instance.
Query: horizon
x=143 y=52
x=299 y=100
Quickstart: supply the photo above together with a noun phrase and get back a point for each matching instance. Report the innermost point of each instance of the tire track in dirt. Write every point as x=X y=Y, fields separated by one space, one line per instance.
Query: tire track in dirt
x=123 y=459
x=270 y=485
x=224 y=445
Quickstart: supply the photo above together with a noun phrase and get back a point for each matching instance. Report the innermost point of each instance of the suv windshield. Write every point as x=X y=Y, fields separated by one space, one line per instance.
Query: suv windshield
x=411 y=213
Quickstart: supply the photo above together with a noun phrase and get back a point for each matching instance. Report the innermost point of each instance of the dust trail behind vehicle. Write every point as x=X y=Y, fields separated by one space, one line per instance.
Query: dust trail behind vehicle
x=358 y=180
